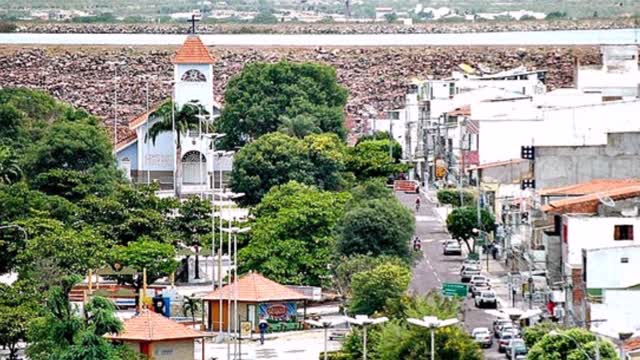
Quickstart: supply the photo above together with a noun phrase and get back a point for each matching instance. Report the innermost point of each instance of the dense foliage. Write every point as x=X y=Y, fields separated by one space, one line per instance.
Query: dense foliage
x=375 y=158
x=373 y=289
x=292 y=238
x=262 y=96
x=574 y=344
x=462 y=221
x=276 y=159
x=377 y=227
x=452 y=197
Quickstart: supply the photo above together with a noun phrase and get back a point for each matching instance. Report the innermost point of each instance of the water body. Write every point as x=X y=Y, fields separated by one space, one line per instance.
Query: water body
x=565 y=37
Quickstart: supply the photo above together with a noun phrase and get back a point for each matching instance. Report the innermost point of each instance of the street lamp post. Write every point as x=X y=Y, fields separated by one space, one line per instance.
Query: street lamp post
x=325 y=324
x=432 y=323
x=364 y=321
x=486 y=238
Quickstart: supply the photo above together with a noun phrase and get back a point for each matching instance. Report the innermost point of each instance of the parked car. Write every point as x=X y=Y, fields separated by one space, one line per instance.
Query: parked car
x=482 y=336
x=497 y=323
x=452 y=248
x=477 y=287
x=509 y=328
x=504 y=339
x=467 y=274
x=517 y=346
x=478 y=279
x=339 y=332
x=487 y=298
x=469 y=266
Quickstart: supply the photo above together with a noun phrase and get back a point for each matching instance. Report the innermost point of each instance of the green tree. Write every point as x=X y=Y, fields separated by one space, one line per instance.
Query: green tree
x=371 y=189
x=373 y=289
x=190 y=305
x=180 y=120
x=70 y=145
x=192 y=224
x=462 y=221
x=9 y=168
x=377 y=227
x=391 y=18
x=571 y=344
x=62 y=334
x=397 y=339
x=18 y=306
x=56 y=251
x=157 y=258
x=259 y=98
x=452 y=197
x=292 y=237
x=371 y=158
x=347 y=267
x=533 y=334
x=275 y=159
x=299 y=126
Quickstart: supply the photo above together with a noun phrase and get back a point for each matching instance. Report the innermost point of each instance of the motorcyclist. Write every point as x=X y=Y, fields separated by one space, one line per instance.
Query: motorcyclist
x=417 y=203
x=417 y=244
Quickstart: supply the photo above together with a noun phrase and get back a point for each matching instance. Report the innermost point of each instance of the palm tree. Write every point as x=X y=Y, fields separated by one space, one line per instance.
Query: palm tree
x=9 y=169
x=298 y=126
x=185 y=119
x=190 y=306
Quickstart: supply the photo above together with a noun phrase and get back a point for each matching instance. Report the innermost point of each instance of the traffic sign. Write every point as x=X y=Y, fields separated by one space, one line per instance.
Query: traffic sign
x=455 y=289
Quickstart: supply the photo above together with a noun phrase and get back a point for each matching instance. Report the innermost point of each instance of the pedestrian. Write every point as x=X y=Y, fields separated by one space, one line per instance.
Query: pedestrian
x=262 y=326
x=417 y=203
x=494 y=252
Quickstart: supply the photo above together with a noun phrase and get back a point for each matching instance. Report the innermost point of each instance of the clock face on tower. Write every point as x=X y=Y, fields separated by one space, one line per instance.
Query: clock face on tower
x=193 y=75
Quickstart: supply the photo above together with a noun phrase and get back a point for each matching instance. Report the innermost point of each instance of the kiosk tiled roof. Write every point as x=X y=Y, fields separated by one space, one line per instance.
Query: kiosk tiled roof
x=254 y=287
x=150 y=326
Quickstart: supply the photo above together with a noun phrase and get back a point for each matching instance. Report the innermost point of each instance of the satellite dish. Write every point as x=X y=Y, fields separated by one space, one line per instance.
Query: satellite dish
x=605 y=200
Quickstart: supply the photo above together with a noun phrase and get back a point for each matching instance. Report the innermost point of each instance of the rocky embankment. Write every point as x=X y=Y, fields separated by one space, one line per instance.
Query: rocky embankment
x=333 y=28
x=377 y=78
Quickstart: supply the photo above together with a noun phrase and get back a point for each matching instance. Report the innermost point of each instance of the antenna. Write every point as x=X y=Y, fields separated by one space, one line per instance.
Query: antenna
x=605 y=200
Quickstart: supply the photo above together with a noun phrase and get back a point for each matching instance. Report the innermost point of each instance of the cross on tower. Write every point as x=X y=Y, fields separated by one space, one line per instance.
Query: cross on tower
x=193 y=23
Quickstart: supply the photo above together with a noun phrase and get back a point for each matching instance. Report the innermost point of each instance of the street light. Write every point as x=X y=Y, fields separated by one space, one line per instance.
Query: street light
x=432 y=323
x=24 y=232
x=326 y=324
x=235 y=231
x=486 y=234
x=364 y=321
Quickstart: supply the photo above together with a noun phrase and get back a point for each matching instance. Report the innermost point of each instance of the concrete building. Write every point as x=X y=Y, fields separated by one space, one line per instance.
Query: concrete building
x=617 y=78
x=618 y=158
x=607 y=219
x=613 y=294
x=508 y=124
x=382 y=12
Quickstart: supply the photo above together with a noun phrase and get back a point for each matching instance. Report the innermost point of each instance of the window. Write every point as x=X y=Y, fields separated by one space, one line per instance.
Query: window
x=623 y=232
x=565 y=233
x=393 y=115
x=193 y=75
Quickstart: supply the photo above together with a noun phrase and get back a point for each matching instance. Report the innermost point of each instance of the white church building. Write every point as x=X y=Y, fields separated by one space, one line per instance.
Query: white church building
x=202 y=167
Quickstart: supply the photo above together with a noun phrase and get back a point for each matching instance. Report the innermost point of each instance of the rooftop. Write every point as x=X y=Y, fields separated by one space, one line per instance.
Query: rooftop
x=497 y=164
x=193 y=51
x=589 y=187
x=253 y=287
x=588 y=204
x=149 y=326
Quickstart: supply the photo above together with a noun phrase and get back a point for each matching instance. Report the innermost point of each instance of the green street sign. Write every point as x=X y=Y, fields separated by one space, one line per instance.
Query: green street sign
x=455 y=289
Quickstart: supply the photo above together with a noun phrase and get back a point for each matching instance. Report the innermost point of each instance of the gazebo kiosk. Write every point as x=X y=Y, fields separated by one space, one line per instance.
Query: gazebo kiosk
x=257 y=297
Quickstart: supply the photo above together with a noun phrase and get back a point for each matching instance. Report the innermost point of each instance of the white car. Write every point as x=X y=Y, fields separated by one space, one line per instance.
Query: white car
x=468 y=273
x=479 y=279
x=487 y=298
x=452 y=248
x=482 y=336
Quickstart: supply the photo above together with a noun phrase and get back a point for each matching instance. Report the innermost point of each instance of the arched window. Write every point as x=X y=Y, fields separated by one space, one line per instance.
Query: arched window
x=194 y=76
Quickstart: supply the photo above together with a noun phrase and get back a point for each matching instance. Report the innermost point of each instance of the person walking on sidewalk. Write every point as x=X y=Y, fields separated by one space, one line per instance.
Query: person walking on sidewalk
x=262 y=326
x=417 y=203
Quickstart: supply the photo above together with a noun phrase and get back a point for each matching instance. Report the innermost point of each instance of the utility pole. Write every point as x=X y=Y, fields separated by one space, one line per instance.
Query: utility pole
x=425 y=146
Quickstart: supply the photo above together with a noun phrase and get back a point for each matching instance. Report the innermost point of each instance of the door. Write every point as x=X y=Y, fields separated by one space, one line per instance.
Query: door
x=194 y=168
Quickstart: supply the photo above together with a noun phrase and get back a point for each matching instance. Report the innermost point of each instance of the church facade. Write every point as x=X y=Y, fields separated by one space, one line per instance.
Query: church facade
x=201 y=167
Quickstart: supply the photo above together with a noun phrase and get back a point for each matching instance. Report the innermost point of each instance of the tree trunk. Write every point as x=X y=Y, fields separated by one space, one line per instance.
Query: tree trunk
x=466 y=242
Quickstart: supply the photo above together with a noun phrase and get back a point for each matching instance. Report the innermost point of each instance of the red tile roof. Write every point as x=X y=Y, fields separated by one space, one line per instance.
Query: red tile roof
x=590 y=187
x=588 y=204
x=193 y=51
x=253 y=287
x=632 y=344
x=149 y=326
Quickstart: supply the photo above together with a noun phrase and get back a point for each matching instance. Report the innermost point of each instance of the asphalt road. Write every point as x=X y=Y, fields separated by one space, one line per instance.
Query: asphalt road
x=436 y=268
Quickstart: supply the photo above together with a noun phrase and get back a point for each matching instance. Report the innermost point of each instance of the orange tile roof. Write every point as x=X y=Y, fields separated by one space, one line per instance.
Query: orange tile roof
x=149 y=326
x=193 y=51
x=253 y=287
x=140 y=119
x=588 y=204
x=589 y=187
x=632 y=344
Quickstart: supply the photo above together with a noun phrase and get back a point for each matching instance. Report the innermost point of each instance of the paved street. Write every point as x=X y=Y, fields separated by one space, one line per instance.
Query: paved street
x=436 y=268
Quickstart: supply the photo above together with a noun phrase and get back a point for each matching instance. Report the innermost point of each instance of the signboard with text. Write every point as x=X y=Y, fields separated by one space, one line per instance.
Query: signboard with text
x=455 y=289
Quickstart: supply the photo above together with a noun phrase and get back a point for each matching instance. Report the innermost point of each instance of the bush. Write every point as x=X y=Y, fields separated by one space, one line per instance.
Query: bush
x=452 y=197
x=334 y=355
